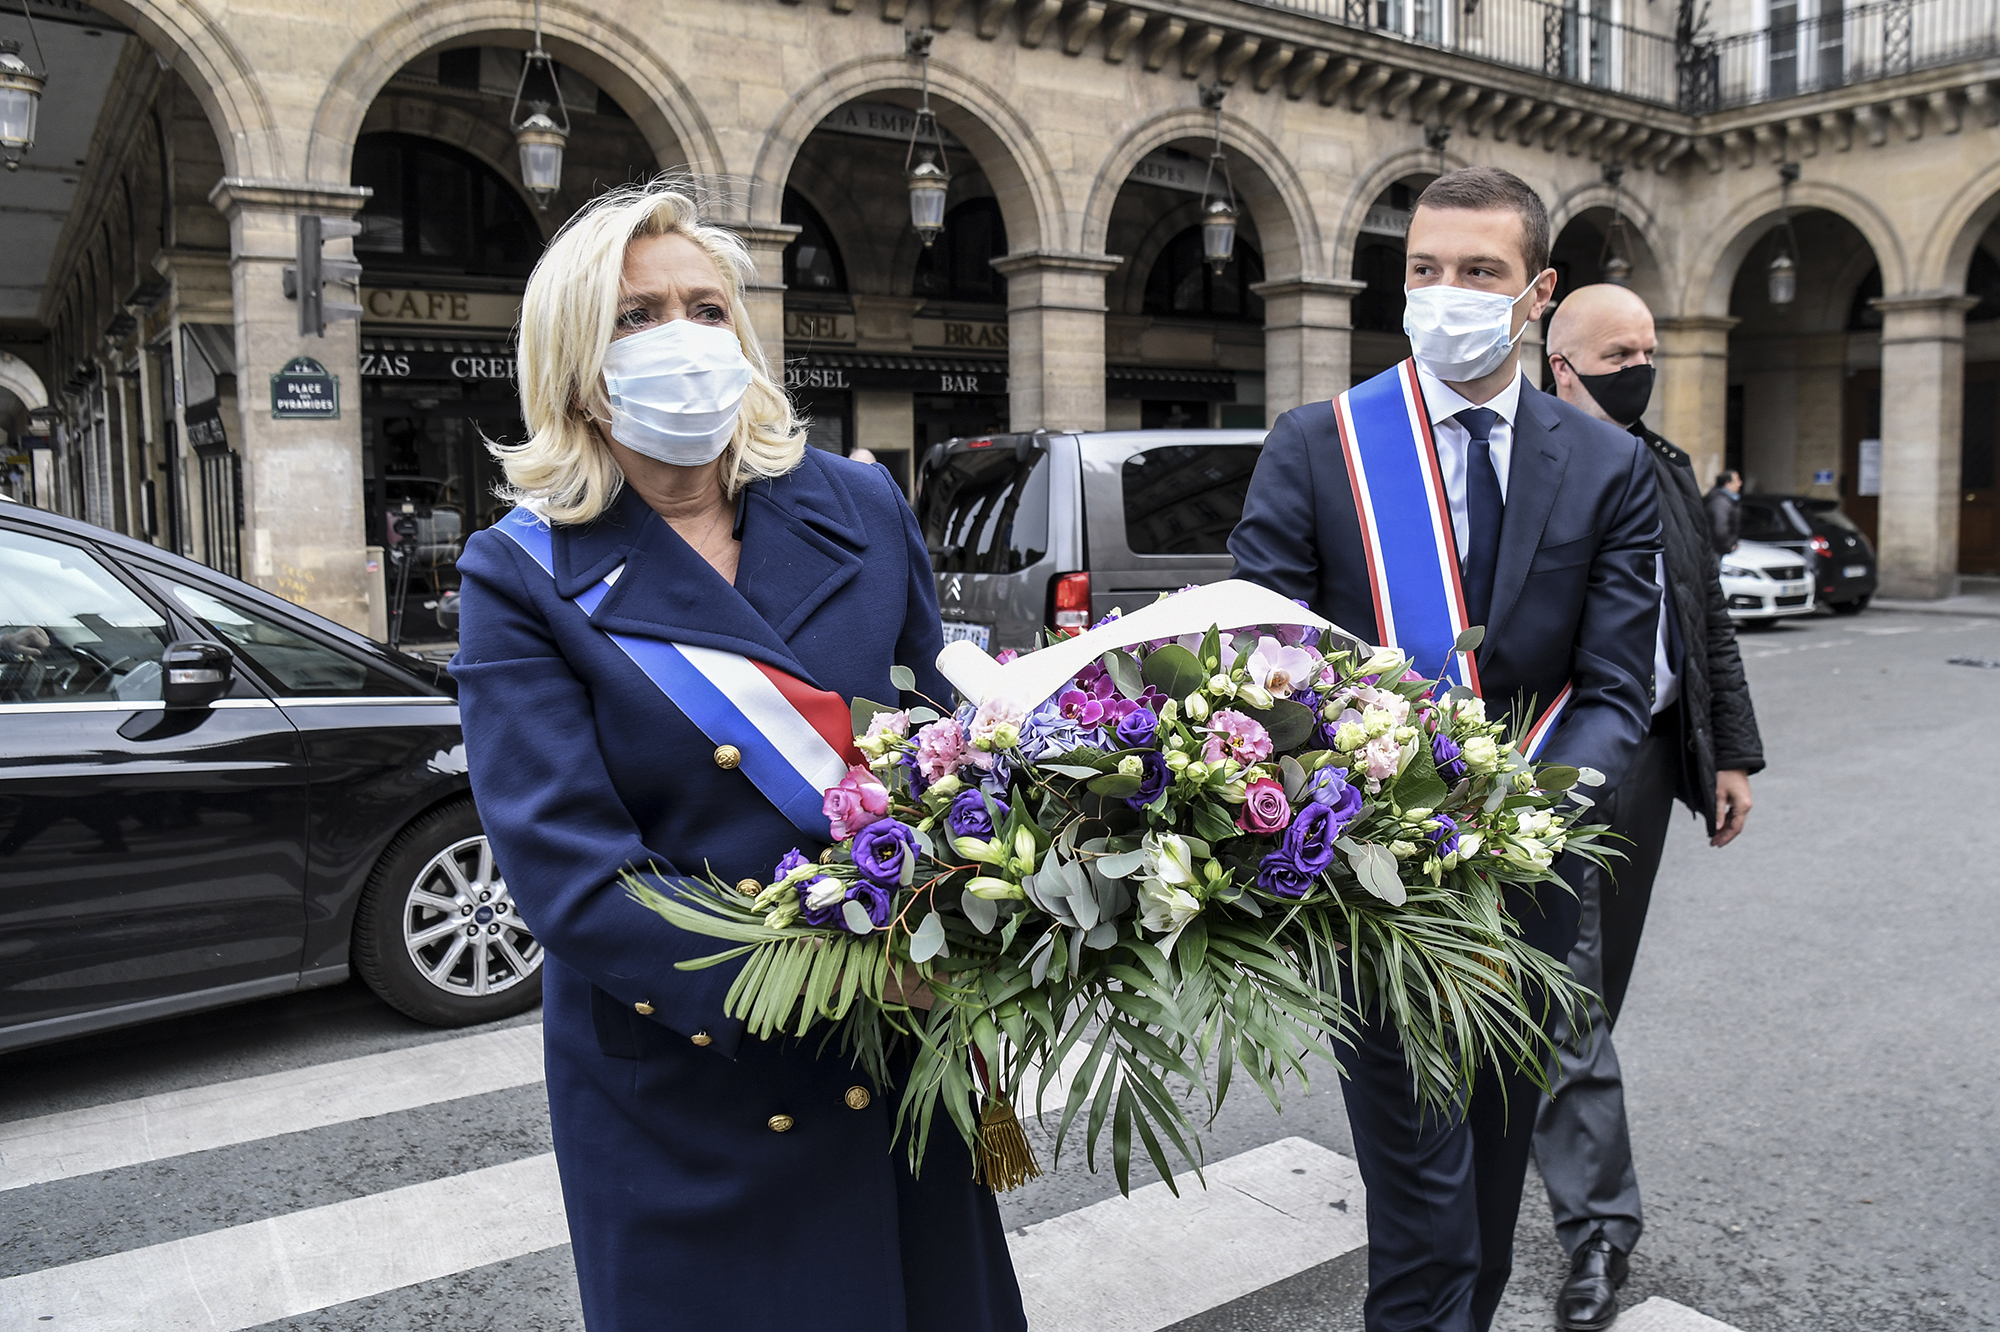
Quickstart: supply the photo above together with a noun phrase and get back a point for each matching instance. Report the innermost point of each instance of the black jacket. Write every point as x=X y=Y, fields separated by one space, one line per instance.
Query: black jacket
x=1718 y=725
x=1725 y=517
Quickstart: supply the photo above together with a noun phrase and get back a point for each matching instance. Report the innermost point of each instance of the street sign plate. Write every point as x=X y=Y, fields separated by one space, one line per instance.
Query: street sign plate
x=304 y=389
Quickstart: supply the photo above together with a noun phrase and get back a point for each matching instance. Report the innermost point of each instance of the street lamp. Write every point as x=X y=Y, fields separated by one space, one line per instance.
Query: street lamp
x=20 y=94
x=1613 y=265
x=539 y=137
x=929 y=181
x=1782 y=280
x=1218 y=214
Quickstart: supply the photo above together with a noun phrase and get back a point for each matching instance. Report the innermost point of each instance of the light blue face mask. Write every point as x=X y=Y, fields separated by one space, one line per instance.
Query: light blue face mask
x=1459 y=334
x=675 y=391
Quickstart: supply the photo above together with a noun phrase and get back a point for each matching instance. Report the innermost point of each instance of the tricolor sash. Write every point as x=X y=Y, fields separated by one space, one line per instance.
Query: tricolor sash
x=795 y=740
x=1406 y=532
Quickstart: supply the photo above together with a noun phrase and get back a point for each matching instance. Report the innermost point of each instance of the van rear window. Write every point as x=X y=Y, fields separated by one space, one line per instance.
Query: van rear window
x=1185 y=499
x=987 y=510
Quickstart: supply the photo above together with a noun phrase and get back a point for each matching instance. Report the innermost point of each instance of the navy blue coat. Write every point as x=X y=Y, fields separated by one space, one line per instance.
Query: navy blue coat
x=1574 y=596
x=686 y=1208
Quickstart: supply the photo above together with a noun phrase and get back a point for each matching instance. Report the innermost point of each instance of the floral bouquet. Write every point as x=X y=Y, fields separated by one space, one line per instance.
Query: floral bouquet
x=1196 y=854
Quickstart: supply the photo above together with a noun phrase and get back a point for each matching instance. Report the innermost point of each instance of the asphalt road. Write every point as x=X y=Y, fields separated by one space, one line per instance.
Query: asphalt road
x=1809 y=1042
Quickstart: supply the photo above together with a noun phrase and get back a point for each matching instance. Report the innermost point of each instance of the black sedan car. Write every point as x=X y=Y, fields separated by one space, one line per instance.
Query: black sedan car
x=209 y=795
x=1842 y=561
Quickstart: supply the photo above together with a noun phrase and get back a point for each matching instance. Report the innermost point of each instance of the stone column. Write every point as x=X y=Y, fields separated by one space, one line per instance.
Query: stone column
x=1923 y=402
x=1820 y=372
x=1055 y=338
x=1691 y=400
x=764 y=294
x=1308 y=340
x=302 y=519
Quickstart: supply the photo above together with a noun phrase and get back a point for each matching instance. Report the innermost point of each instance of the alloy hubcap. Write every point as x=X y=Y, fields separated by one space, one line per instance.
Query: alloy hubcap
x=461 y=928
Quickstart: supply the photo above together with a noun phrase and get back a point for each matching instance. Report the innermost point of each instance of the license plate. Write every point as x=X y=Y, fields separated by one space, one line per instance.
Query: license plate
x=1855 y=571
x=1795 y=589
x=979 y=635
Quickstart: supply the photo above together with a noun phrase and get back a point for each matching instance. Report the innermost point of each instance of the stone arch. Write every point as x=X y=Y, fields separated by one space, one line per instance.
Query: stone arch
x=1274 y=195
x=1000 y=139
x=1711 y=272
x=483 y=139
x=607 y=53
x=220 y=75
x=1947 y=251
x=1130 y=281
x=1652 y=278
x=19 y=378
x=1409 y=162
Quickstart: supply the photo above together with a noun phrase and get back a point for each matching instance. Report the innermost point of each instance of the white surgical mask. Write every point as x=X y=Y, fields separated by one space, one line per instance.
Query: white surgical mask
x=675 y=391
x=1459 y=334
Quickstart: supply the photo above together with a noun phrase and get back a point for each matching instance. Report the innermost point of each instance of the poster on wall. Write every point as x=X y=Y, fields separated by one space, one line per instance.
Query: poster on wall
x=1870 y=480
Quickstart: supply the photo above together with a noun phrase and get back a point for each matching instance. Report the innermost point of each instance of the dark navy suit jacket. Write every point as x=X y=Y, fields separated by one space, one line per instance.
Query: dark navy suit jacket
x=1574 y=597
x=687 y=1209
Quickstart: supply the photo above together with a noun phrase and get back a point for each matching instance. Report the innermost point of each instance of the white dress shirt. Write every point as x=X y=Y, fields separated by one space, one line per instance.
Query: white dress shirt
x=1454 y=441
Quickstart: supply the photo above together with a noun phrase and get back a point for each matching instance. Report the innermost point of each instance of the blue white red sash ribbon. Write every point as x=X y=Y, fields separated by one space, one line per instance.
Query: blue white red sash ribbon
x=795 y=740
x=1407 y=535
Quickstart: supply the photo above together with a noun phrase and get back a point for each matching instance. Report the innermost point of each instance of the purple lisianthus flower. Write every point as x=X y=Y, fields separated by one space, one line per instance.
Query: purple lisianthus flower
x=885 y=852
x=878 y=901
x=1446 y=835
x=1330 y=787
x=1450 y=762
x=1282 y=876
x=1309 y=841
x=1153 y=778
x=967 y=816
x=1135 y=730
x=792 y=860
x=915 y=771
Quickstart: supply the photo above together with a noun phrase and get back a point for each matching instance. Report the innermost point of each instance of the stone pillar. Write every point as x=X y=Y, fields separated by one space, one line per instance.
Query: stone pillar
x=1308 y=340
x=302 y=501
x=1055 y=338
x=1923 y=402
x=764 y=294
x=1691 y=399
x=1820 y=372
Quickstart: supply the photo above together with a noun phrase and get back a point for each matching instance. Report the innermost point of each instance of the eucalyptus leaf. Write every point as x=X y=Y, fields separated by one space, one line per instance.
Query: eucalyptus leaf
x=1375 y=867
x=1040 y=957
x=924 y=843
x=1125 y=673
x=863 y=711
x=922 y=716
x=856 y=917
x=1470 y=640
x=1094 y=759
x=1294 y=774
x=1457 y=693
x=1115 y=785
x=979 y=911
x=1289 y=724
x=1556 y=777
x=903 y=678
x=1102 y=935
x=1590 y=776
x=1174 y=671
x=1120 y=865
x=928 y=941
x=1068 y=770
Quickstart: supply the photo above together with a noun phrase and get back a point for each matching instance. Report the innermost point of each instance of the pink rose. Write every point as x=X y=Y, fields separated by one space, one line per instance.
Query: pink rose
x=858 y=801
x=1265 y=809
x=1233 y=735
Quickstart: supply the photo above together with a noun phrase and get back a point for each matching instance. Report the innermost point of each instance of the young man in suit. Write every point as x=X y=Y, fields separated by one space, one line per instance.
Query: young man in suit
x=1702 y=747
x=1553 y=528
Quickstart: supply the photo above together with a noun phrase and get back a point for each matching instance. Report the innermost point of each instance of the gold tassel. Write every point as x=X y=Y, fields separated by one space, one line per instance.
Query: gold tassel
x=1005 y=1160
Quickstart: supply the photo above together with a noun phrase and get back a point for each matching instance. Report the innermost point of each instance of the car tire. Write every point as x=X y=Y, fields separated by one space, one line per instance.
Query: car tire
x=1854 y=607
x=436 y=934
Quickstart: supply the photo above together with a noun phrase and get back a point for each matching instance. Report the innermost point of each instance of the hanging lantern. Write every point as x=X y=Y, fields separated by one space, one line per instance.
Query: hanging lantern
x=540 y=137
x=1612 y=264
x=1218 y=213
x=1617 y=272
x=926 y=168
x=20 y=101
x=1782 y=280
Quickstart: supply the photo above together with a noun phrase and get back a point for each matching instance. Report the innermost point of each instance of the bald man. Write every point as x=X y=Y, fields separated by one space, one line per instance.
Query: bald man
x=1702 y=747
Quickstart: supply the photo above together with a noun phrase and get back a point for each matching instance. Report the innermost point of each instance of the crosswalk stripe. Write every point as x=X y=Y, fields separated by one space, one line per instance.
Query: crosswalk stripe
x=125 y=1133
x=226 y=1280
x=1660 y=1314
x=1141 y=1263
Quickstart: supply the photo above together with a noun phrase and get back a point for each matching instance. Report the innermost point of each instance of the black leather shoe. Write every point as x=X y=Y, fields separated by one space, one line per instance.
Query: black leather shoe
x=1589 y=1299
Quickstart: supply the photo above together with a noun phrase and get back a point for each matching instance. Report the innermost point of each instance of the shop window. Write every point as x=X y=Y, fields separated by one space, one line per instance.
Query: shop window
x=1185 y=499
x=440 y=210
x=959 y=264
x=812 y=263
x=1182 y=283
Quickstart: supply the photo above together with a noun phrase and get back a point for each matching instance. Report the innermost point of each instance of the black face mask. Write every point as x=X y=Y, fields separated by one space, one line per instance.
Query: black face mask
x=1623 y=394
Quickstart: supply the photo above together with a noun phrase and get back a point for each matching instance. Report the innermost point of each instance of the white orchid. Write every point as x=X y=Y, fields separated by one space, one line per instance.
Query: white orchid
x=1279 y=669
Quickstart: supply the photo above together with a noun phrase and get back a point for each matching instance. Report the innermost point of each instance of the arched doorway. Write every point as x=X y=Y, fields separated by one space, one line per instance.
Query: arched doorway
x=1377 y=309
x=1979 y=452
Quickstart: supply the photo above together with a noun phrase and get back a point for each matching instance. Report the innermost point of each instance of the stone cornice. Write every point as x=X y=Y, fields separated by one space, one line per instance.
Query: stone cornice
x=234 y=194
x=1060 y=261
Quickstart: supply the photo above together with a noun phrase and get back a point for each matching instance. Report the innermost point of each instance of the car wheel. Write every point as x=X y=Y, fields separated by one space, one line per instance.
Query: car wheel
x=436 y=934
x=1854 y=607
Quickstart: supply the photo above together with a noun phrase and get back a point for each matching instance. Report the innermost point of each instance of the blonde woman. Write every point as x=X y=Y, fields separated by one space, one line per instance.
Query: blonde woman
x=668 y=512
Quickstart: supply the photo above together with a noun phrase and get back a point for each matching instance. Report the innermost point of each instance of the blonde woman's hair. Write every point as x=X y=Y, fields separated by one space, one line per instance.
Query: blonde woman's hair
x=564 y=471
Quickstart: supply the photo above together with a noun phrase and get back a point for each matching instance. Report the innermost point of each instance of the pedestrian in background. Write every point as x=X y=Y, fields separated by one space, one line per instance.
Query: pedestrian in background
x=1725 y=512
x=668 y=510
x=1701 y=748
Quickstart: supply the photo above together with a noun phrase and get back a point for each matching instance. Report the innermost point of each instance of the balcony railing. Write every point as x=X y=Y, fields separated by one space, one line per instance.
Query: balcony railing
x=1810 y=44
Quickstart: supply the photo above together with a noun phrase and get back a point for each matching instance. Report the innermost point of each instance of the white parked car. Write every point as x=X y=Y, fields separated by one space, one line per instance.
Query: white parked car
x=1764 y=582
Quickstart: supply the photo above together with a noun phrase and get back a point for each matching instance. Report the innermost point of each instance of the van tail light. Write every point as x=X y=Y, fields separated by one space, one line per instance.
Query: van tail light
x=1073 y=601
x=1822 y=547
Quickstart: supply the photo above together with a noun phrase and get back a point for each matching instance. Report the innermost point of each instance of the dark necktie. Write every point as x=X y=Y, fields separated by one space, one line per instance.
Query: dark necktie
x=1484 y=509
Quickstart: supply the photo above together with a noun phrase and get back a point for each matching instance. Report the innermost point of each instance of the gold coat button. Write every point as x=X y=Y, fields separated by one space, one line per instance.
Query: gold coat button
x=643 y=1009
x=702 y=1038
x=727 y=756
x=749 y=887
x=857 y=1098
x=780 y=1123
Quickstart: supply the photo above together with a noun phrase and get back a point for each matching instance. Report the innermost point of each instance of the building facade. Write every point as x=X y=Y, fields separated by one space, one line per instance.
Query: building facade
x=149 y=350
